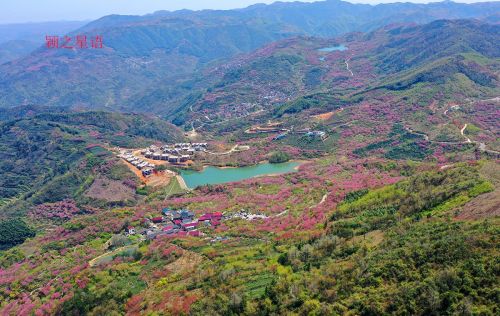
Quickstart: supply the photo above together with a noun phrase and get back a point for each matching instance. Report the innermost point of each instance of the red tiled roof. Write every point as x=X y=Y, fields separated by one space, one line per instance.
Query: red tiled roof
x=167 y=228
x=205 y=217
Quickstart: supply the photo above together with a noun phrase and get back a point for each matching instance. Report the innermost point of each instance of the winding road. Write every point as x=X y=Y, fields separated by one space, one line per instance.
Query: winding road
x=462 y=132
x=347 y=65
x=482 y=146
x=236 y=148
x=323 y=200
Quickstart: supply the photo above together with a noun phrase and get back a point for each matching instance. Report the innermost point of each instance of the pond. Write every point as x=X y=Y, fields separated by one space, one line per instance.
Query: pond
x=340 y=47
x=214 y=175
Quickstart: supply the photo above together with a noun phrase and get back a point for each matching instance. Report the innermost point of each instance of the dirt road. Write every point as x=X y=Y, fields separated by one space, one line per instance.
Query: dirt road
x=347 y=65
x=462 y=132
x=236 y=148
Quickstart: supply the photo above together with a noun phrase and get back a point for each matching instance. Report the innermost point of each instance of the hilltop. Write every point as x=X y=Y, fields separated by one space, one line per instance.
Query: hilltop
x=169 y=49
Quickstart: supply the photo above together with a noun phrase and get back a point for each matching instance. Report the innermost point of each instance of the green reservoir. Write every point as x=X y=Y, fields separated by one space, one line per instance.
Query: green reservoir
x=214 y=175
x=340 y=47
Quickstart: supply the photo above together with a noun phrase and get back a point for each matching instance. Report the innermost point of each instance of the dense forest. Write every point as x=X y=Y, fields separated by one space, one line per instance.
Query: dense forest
x=386 y=251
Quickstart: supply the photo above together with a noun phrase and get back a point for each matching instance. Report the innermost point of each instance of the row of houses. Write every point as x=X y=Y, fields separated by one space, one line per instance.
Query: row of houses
x=167 y=157
x=185 y=146
x=178 y=147
x=174 y=153
x=246 y=216
x=146 y=167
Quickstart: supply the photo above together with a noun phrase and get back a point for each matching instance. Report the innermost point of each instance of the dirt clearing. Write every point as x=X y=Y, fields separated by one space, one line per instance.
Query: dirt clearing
x=158 y=178
x=110 y=190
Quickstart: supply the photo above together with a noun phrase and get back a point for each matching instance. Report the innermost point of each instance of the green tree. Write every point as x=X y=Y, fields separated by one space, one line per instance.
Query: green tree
x=14 y=232
x=279 y=157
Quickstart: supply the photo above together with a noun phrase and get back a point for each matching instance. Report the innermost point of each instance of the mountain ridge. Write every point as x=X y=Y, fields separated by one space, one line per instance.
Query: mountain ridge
x=167 y=49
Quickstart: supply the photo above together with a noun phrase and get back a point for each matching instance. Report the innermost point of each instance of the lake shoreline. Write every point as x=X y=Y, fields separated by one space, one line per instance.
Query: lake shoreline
x=228 y=174
x=300 y=161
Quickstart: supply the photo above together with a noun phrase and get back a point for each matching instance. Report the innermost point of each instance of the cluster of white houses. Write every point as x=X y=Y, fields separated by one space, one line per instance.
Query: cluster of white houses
x=175 y=153
x=146 y=167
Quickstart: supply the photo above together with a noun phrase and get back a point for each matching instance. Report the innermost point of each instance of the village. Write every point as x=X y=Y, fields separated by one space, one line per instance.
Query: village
x=182 y=223
x=147 y=160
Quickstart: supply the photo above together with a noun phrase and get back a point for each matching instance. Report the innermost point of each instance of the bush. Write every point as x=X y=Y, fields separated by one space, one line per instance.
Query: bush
x=118 y=241
x=10 y=257
x=279 y=157
x=14 y=232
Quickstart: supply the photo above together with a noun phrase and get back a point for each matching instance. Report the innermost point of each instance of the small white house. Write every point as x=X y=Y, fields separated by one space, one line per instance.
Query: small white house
x=131 y=230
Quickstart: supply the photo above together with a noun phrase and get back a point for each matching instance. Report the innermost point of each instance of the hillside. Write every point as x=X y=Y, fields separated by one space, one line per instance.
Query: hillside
x=301 y=77
x=43 y=157
x=18 y=40
x=168 y=48
x=386 y=238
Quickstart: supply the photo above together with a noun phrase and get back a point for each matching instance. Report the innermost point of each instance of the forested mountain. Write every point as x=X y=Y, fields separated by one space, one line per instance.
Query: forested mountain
x=166 y=48
x=457 y=57
x=18 y=40
x=41 y=155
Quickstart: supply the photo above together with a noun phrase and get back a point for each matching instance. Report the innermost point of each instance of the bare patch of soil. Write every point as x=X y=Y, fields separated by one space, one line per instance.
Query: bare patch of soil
x=484 y=206
x=110 y=190
x=186 y=264
x=159 y=178
x=324 y=116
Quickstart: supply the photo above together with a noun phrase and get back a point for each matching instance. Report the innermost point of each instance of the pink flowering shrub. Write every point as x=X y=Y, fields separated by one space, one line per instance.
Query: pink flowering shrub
x=63 y=211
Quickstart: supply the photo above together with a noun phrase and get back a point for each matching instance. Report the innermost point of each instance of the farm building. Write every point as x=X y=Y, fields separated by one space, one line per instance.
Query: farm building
x=194 y=233
x=157 y=220
x=167 y=211
x=170 y=229
x=205 y=218
x=187 y=214
x=190 y=226
x=175 y=215
x=173 y=159
x=131 y=230
x=280 y=136
x=317 y=134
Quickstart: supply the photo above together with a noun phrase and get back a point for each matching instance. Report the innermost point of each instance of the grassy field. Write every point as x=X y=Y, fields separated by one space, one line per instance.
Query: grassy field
x=173 y=188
